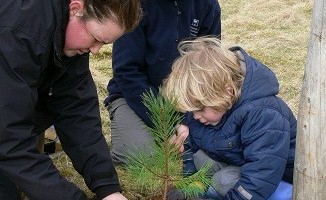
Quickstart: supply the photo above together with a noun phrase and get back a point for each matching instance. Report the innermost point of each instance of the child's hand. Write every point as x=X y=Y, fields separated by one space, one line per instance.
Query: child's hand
x=182 y=132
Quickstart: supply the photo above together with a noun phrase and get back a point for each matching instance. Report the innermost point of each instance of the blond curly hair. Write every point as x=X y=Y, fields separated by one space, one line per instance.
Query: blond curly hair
x=205 y=75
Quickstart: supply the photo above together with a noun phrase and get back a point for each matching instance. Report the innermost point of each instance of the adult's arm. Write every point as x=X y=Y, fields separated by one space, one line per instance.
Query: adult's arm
x=129 y=65
x=211 y=24
x=74 y=101
x=21 y=59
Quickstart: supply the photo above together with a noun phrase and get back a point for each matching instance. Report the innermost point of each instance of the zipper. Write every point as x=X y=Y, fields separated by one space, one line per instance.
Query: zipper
x=178 y=20
x=51 y=89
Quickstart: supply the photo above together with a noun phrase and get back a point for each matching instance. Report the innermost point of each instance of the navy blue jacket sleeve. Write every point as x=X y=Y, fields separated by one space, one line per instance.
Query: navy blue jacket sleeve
x=188 y=158
x=128 y=64
x=190 y=148
x=265 y=137
x=212 y=22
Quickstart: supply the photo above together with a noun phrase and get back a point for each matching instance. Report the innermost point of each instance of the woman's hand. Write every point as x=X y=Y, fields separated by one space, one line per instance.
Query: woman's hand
x=115 y=196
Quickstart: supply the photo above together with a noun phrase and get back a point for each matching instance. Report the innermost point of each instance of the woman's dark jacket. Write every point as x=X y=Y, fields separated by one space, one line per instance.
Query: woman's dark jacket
x=144 y=57
x=258 y=133
x=39 y=87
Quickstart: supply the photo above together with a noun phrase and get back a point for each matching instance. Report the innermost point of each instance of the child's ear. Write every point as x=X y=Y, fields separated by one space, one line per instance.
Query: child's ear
x=76 y=8
x=229 y=90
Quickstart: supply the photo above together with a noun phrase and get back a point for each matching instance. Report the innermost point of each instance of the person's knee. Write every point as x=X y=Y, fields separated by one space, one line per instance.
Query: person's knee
x=118 y=148
x=225 y=179
x=118 y=159
x=126 y=148
x=201 y=159
x=128 y=132
x=122 y=152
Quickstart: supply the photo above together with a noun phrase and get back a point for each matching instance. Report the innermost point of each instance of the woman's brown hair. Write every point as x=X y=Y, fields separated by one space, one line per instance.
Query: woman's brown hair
x=127 y=13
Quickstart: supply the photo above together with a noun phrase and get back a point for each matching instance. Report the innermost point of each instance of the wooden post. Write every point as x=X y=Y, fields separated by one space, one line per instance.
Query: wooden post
x=310 y=162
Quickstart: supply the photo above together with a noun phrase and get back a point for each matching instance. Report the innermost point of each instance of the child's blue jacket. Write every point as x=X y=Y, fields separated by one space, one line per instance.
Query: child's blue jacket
x=257 y=133
x=143 y=58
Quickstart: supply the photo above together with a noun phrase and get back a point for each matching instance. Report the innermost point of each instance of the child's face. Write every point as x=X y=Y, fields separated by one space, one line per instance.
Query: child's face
x=208 y=116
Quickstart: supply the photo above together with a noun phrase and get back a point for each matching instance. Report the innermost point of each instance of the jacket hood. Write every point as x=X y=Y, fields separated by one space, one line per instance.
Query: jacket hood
x=259 y=80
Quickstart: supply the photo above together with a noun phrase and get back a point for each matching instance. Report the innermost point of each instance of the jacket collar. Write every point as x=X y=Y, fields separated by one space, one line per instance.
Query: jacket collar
x=62 y=19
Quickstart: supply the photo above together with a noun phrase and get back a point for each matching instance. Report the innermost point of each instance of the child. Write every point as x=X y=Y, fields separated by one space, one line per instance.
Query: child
x=235 y=120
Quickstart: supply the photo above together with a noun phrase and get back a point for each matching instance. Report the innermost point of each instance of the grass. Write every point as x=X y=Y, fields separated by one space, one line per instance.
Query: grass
x=276 y=32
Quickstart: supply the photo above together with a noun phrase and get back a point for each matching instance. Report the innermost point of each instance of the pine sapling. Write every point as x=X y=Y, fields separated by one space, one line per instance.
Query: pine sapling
x=161 y=169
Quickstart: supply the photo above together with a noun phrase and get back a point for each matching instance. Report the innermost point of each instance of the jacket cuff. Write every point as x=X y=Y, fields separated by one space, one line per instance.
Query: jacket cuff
x=105 y=190
x=185 y=118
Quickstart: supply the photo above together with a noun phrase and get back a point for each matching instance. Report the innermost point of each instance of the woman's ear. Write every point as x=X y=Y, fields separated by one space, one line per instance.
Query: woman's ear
x=76 y=8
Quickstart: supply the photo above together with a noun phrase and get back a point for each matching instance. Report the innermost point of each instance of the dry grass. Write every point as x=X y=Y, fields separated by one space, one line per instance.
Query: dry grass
x=276 y=32
x=102 y=71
